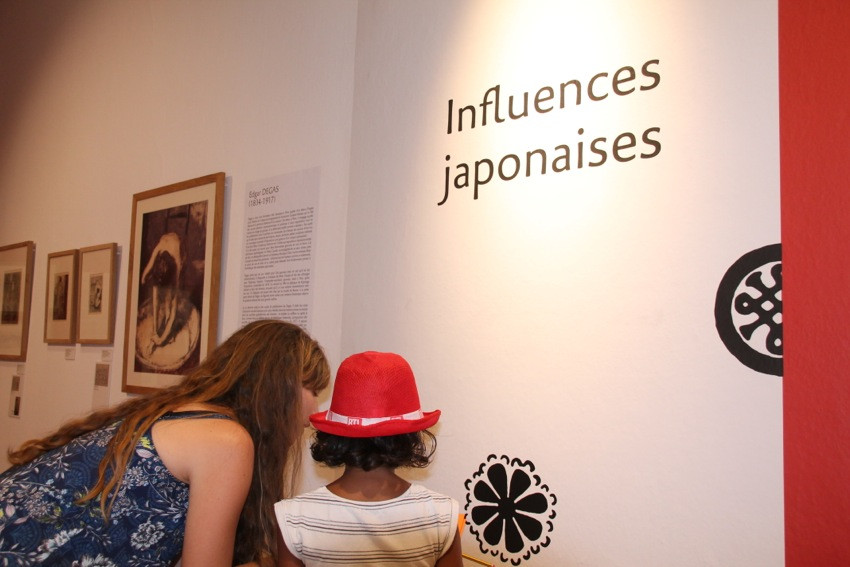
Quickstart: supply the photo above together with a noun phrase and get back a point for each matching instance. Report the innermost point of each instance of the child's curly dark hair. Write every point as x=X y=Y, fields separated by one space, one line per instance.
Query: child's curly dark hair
x=413 y=450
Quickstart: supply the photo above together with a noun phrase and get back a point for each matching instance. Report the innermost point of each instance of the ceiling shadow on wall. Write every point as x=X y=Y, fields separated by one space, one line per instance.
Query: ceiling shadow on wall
x=30 y=31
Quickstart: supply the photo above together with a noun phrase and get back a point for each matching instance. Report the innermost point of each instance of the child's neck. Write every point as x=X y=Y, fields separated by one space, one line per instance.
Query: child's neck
x=369 y=486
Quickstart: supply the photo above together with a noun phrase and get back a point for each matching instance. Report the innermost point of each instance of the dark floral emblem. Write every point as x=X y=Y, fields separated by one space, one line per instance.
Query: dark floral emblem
x=509 y=510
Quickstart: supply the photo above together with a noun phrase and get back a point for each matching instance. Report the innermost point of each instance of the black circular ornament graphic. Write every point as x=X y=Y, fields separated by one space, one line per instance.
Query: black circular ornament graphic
x=509 y=510
x=748 y=309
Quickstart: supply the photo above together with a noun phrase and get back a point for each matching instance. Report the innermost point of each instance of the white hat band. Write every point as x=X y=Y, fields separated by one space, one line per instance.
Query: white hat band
x=412 y=416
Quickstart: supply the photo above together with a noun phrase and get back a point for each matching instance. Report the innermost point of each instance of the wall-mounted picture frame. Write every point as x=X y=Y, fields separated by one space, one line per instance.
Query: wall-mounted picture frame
x=173 y=281
x=16 y=268
x=60 y=299
x=96 y=297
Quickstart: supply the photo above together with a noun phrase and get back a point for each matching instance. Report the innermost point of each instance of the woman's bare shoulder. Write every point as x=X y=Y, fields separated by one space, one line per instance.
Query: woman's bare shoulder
x=184 y=445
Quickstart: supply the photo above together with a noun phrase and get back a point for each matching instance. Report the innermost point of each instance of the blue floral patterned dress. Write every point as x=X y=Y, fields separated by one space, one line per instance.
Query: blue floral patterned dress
x=40 y=523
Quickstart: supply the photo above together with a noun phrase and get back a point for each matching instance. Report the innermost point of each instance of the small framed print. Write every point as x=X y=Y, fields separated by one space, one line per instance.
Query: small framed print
x=60 y=304
x=96 y=297
x=16 y=267
x=15 y=397
x=173 y=282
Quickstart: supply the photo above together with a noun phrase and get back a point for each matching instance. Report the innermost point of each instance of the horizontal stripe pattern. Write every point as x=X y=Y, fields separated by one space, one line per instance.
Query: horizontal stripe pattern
x=323 y=529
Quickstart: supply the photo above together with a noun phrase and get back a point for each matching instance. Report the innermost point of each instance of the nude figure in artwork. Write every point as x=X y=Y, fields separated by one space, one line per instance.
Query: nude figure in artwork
x=163 y=271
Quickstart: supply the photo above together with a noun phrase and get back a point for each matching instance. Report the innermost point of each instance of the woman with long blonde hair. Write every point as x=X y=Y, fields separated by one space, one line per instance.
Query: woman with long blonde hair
x=190 y=472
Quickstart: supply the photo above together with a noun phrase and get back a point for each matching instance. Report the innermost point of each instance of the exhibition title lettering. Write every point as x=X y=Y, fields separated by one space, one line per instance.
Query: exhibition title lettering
x=493 y=109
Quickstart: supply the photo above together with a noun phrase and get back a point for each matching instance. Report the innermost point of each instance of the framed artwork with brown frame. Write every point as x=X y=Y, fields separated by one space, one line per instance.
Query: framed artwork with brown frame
x=16 y=268
x=96 y=298
x=173 y=281
x=60 y=300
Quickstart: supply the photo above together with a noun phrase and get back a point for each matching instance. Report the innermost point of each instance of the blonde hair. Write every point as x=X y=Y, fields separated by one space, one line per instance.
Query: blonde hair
x=257 y=375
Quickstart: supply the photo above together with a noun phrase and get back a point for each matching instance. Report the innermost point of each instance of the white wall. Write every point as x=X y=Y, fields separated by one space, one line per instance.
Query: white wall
x=562 y=320
x=104 y=99
x=567 y=319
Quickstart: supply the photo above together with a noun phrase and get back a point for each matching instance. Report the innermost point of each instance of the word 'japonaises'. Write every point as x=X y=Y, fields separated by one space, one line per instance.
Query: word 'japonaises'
x=494 y=110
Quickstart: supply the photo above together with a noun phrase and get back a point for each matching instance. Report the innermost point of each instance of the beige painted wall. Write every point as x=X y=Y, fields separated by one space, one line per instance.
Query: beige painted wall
x=564 y=320
x=104 y=99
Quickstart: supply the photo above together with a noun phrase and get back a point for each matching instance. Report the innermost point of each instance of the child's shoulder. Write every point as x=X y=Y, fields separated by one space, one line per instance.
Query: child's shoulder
x=321 y=494
x=422 y=493
x=419 y=489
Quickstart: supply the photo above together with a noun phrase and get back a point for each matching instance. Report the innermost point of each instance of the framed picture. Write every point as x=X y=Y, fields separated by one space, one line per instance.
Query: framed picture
x=60 y=301
x=173 y=281
x=96 y=297
x=16 y=265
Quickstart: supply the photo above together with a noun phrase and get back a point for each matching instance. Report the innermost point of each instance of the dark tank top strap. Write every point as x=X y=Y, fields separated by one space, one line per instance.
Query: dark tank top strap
x=194 y=414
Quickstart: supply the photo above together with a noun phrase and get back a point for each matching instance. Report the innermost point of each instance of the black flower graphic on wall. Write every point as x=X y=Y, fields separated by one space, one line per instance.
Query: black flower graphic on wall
x=509 y=510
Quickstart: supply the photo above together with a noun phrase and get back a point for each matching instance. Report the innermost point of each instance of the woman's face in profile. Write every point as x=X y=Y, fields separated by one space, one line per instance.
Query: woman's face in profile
x=309 y=404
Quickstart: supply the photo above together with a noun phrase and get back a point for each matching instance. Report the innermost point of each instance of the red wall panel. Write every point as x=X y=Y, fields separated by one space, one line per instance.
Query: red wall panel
x=814 y=101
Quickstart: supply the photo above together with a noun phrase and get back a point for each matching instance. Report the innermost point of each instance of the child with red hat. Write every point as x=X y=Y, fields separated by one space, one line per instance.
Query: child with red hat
x=370 y=515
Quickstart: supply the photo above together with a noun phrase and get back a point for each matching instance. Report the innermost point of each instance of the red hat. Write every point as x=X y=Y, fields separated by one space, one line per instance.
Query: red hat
x=374 y=395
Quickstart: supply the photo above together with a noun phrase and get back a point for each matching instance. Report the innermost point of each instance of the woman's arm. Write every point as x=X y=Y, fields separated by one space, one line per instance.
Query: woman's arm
x=151 y=261
x=216 y=458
